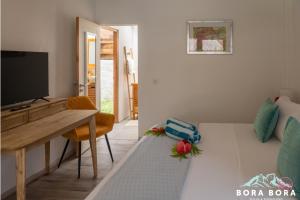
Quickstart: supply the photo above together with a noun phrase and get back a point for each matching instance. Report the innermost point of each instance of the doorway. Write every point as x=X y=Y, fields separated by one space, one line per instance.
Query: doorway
x=109 y=77
x=119 y=71
x=107 y=71
x=119 y=78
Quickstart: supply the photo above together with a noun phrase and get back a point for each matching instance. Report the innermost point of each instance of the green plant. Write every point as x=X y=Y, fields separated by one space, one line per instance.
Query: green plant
x=107 y=106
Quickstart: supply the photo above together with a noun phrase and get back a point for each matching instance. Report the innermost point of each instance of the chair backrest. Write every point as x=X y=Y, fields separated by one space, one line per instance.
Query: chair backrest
x=80 y=103
x=135 y=94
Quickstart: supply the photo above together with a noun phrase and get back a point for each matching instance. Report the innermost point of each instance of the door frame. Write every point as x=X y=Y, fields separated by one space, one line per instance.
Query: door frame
x=76 y=83
x=83 y=26
x=115 y=70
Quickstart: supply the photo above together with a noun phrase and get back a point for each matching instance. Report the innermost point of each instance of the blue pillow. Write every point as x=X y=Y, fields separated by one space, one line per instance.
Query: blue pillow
x=266 y=120
x=288 y=162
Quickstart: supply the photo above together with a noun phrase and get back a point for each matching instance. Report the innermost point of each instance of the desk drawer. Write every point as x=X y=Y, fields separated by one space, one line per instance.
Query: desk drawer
x=45 y=111
x=57 y=107
x=13 y=121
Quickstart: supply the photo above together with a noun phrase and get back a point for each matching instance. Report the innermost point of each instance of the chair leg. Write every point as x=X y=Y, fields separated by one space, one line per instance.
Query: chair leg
x=63 y=154
x=79 y=159
x=109 y=149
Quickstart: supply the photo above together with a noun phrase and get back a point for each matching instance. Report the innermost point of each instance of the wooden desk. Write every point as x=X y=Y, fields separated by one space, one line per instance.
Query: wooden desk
x=39 y=132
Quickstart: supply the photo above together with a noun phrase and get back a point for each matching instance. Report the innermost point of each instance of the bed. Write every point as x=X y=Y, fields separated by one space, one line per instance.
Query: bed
x=231 y=156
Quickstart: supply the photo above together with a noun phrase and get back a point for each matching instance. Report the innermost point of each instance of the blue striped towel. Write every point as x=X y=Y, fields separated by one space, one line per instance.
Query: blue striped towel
x=182 y=131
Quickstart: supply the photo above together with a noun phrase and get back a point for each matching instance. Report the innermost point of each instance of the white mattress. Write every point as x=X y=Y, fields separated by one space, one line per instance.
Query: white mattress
x=231 y=156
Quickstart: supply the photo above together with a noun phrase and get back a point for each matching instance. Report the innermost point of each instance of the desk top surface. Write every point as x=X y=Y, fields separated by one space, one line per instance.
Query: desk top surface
x=44 y=129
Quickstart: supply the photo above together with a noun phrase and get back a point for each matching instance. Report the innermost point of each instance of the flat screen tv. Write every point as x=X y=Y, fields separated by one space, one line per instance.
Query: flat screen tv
x=24 y=76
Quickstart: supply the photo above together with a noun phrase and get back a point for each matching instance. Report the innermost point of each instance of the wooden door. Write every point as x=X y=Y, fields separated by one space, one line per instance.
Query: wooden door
x=87 y=60
x=116 y=75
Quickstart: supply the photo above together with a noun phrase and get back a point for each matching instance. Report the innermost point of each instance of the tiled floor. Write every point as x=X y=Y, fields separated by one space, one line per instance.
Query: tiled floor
x=62 y=184
x=125 y=130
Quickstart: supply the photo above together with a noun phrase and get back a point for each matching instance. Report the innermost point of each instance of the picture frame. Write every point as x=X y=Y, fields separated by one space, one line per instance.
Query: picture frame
x=209 y=37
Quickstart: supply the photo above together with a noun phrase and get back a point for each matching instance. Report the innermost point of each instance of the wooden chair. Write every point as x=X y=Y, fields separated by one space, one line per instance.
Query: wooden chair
x=135 y=101
x=104 y=124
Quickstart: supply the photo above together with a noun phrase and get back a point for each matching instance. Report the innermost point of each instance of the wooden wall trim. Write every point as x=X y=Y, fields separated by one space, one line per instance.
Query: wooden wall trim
x=76 y=84
x=116 y=75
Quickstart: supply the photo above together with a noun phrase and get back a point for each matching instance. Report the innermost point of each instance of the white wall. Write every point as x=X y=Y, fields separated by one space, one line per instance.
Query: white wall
x=135 y=36
x=40 y=25
x=293 y=61
x=203 y=88
x=128 y=38
x=296 y=83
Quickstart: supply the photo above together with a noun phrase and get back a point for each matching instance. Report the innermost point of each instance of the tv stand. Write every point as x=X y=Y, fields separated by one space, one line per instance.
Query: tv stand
x=21 y=107
x=42 y=98
x=28 y=113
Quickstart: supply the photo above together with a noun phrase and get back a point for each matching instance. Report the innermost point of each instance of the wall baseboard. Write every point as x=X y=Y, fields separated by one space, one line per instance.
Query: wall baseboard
x=37 y=175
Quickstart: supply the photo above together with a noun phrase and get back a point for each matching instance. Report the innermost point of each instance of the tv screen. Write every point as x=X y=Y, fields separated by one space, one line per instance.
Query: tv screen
x=24 y=76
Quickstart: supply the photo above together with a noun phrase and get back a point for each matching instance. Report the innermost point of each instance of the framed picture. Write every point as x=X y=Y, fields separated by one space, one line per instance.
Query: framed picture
x=209 y=37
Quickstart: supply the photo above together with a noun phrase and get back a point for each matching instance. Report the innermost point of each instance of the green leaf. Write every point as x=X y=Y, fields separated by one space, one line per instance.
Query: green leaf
x=150 y=132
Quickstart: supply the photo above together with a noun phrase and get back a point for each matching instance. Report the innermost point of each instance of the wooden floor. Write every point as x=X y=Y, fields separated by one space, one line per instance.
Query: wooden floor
x=62 y=184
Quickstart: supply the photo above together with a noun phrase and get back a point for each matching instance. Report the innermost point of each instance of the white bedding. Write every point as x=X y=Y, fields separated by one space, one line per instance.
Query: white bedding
x=231 y=156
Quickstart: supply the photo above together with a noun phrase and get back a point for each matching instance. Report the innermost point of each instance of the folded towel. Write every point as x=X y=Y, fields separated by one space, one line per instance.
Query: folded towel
x=182 y=131
x=181 y=123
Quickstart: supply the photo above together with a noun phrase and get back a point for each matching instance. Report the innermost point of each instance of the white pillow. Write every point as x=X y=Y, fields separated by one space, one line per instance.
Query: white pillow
x=287 y=108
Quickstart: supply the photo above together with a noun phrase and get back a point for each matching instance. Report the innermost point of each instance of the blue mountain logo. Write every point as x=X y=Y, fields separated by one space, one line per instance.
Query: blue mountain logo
x=269 y=181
